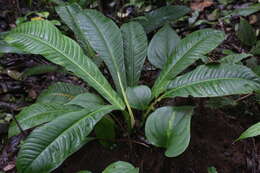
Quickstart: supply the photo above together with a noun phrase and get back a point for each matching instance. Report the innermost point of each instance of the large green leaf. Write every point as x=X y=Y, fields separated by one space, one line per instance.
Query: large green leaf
x=157 y=18
x=38 y=114
x=214 y=80
x=139 y=97
x=234 y=58
x=246 y=33
x=169 y=127
x=162 y=45
x=42 y=37
x=121 y=167
x=135 y=49
x=48 y=146
x=105 y=38
x=60 y=92
x=68 y=14
x=6 y=48
x=190 y=49
x=251 y=132
x=86 y=100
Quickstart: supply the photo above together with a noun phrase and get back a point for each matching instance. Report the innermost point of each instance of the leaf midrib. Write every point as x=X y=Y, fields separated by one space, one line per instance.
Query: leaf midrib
x=205 y=81
x=67 y=129
x=181 y=58
x=106 y=45
x=71 y=60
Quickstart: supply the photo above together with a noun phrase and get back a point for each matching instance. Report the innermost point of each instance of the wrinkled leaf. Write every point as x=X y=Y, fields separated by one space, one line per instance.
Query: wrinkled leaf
x=214 y=80
x=48 y=146
x=169 y=127
x=60 y=92
x=157 y=18
x=234 y=58
x=38 y=114
x=6 y=48
x=246 y=33
x=162 y=45
x=251 y=132
x=68 y=15
x=139 y=97
x=121 y=167
x=190 y=49
x=42 y=37
x=105 y=38
x=86 y=100
x=135 y=49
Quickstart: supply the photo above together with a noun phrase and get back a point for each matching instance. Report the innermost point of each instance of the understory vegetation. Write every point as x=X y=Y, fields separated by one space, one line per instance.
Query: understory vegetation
x=132 y=72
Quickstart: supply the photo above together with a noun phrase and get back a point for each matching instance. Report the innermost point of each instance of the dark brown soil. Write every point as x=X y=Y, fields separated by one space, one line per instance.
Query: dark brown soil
x=212 y=144
x=213 y=131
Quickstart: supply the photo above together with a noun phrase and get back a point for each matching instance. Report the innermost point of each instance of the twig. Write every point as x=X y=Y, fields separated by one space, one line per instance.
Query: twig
x=125 y=140
x=8 y=106
x=18 y=125
x=18 y=7
x=100 y=6
x=244 y=97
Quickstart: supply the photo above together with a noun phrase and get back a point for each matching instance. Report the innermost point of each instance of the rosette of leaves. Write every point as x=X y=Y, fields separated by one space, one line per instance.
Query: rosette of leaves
x=65 y=114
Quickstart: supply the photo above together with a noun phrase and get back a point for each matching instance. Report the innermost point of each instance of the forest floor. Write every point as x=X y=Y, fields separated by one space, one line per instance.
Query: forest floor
x=213 y=130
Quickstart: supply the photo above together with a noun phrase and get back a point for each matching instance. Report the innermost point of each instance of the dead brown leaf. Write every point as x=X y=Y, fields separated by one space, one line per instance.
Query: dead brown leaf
x=9 y=167
x=200 y=6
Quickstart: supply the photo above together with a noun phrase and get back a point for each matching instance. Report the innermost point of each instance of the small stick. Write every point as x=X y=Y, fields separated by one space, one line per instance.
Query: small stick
x=244 y=97
x=18 y=7
x=18 y=125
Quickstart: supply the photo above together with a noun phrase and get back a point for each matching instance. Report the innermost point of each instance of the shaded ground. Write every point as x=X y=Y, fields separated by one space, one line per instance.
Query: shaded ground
x=212 y=144
x=213 y=130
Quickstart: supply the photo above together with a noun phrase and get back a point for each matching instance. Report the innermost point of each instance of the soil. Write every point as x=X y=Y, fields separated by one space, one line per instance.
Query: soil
x=212 y=144
x=213 y=131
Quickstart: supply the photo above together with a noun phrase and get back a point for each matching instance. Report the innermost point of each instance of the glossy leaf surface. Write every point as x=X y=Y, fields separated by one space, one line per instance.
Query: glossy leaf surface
x=139 y=96
x=60 y=92
x=251 y=132
x=105 y=38
x=68 y=15
x=42 y=37
x=169 y=127
x=214 y=80
x=48 y=146
x=6 y=48
x=38 y=114
x=135 y=49
x=190 y=49
x=86 y=100
x=162 y=45
x=121 y=167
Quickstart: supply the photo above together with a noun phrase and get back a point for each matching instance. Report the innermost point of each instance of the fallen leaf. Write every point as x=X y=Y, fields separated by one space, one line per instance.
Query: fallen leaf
x=200 y=6
x=9 y=167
